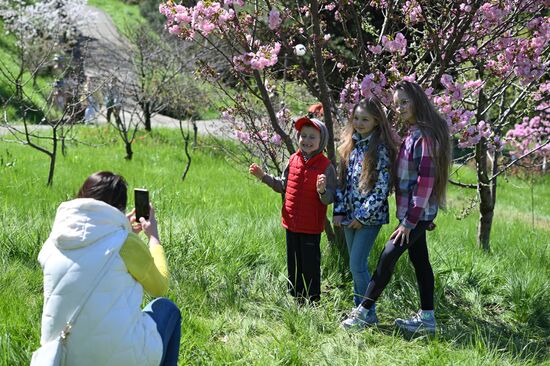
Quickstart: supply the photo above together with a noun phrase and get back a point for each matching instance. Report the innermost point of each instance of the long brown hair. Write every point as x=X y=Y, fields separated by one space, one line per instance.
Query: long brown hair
x=382 y=134
x=432 y=124
x=107 y=187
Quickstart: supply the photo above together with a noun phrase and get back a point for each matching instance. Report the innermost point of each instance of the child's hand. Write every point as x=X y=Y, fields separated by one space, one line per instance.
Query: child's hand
x=400 y=235
x=355 y=225
x=337 y=220
x=256 y=171
x=321 y=184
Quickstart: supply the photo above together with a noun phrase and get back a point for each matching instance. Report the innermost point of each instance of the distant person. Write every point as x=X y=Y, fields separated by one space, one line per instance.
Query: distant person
x=92 y=103
x=59 y=97
x=113 y=102
x=422 y=173
x=315 y=111
x=92 y=235
x=308 y=183
x=367 y=153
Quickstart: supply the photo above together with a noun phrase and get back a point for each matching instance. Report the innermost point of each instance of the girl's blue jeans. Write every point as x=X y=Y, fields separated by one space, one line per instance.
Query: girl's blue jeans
x=359 y=244
x=168 y=318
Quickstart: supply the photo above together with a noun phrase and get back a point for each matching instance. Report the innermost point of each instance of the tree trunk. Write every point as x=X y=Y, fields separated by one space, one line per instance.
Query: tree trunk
x=486 y=190
x=147 y=115
x=323 y=86
x=53 y=156
x=337 y=236
x=195 y=132
x=129 y=152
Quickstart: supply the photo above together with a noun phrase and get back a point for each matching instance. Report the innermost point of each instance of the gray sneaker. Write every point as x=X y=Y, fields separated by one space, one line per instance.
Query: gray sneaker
x=360 y=318
x=421 y=322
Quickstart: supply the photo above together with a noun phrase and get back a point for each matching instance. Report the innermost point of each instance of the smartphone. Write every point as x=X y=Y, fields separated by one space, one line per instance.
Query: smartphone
x=141 y=200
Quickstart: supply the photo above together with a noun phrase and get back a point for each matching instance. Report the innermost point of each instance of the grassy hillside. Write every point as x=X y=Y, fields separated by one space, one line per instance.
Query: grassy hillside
x=225 y=247
x=122 y=13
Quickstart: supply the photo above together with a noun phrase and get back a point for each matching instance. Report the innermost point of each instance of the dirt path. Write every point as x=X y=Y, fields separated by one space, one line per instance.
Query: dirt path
x=106 y=50
x=107 y=55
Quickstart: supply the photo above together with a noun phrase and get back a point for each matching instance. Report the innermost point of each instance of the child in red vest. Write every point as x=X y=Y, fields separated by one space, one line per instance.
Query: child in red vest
x=308 y=183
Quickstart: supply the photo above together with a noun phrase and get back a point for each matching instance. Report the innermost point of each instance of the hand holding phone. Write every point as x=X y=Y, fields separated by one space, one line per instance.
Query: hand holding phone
x=141 y=199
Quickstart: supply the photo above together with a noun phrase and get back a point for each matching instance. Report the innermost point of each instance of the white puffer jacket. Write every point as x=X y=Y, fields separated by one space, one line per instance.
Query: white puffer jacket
x=111 y=328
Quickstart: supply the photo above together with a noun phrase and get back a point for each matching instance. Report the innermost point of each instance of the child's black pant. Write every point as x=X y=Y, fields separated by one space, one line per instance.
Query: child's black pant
x=303 y=254
x=418 y=254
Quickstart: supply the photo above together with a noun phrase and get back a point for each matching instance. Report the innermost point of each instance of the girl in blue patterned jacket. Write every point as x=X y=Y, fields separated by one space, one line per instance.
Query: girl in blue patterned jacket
x=367 y=153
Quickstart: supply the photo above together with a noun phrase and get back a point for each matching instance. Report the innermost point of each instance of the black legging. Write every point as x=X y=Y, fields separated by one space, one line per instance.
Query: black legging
x=418 y=253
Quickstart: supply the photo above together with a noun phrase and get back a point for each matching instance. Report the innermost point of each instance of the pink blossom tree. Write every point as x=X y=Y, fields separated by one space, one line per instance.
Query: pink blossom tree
x=482 y=62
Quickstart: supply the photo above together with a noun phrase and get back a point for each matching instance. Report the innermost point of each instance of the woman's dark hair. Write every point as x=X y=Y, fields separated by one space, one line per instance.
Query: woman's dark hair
x=107 y=187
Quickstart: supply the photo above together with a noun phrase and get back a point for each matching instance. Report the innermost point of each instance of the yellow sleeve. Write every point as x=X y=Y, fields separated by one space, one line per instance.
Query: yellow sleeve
x=147 y=266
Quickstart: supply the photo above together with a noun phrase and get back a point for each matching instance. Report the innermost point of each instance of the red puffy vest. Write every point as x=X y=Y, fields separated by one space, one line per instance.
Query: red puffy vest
x=303 y=211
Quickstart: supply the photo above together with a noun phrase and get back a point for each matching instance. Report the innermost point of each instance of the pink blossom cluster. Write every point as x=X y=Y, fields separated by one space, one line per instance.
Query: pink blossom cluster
x=456 y=89
x=474 y=133
x=475 y=86
x=205 y=17
x=228 y=115
x=535 y=130
x=261 y=133
x=234 y=2
x=375 y=49
x=242 y=136
x=396 y=45
x=264 y=136
x=374 y=85
x=467 y=53
x=413 y=12
x=267 y=55
x=274 y=20
x=490 y=15
x=530 y=134
x=461 y=120
x=350 y=94
x=284 y=116
x=521 y=56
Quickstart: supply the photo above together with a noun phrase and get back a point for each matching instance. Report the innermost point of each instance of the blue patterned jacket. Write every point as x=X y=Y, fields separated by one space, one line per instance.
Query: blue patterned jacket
x=369 y=208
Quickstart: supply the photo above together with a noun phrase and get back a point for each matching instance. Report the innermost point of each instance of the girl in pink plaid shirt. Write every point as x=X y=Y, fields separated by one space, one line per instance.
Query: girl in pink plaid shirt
x=422 y=172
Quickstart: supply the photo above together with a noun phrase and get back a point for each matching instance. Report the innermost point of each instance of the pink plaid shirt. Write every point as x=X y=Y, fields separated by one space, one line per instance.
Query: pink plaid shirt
x=415 y=180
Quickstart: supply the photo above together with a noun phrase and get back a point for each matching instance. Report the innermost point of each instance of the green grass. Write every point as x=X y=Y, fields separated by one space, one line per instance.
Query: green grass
x=122 y=13
x=225 y=247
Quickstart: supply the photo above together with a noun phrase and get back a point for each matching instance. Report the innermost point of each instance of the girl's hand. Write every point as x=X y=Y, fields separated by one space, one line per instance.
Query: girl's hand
x=256 y=171
x=136 y=226
x=400 y=235
x=355 y=225
x=321 y=184
x=337 y=220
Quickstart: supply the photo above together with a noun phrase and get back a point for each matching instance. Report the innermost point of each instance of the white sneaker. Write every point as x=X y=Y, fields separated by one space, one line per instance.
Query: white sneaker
x=359 y=319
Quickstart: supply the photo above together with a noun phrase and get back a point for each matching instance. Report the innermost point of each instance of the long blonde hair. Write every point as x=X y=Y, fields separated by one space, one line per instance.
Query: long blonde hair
x=382 y=134
x=432 y=124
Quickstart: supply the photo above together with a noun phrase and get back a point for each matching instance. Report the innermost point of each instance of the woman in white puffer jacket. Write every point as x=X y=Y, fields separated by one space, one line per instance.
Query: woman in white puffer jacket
x=111 y=329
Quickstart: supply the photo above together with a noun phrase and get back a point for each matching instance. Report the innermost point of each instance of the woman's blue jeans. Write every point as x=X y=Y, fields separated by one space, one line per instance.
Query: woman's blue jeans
x=168 y=318
x=359 y=244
